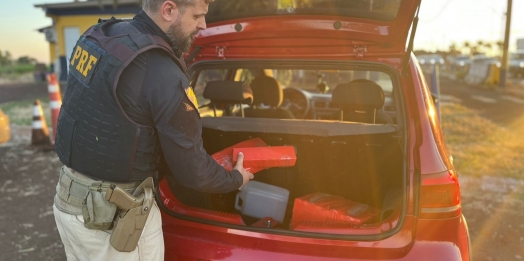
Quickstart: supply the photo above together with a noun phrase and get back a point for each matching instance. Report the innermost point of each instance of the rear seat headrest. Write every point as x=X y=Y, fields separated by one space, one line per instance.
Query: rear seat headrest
x=228 y=92
x=359 y=94
x=267 y=91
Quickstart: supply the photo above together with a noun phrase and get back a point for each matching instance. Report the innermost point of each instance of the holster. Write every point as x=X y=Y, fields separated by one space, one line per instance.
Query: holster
x=132 y=214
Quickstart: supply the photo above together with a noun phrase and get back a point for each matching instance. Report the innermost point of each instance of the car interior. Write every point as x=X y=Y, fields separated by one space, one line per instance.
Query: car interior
x=343 y=125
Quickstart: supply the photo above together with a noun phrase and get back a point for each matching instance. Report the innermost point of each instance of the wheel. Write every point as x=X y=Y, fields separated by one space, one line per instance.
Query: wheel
x=296 y=101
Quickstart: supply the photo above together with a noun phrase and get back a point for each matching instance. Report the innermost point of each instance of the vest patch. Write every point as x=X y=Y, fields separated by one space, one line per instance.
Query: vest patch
x=83 y=62
x=192 y=97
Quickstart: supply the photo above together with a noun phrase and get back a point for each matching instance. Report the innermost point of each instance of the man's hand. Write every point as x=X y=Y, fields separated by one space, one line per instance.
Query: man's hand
x=246 y=175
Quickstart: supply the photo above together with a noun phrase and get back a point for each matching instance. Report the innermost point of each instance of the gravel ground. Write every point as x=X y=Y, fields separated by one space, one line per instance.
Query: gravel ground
x=494 y=210
x=27 y=185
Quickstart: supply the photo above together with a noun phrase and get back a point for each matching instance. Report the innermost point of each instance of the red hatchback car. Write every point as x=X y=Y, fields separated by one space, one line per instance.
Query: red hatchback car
x=337 y=81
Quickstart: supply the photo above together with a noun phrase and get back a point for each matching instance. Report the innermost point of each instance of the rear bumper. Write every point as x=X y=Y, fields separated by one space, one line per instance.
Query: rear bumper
x=434 y=240
x=451 y=236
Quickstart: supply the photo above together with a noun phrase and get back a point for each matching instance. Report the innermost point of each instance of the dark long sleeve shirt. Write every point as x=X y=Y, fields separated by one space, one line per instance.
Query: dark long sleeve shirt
x=152 y=91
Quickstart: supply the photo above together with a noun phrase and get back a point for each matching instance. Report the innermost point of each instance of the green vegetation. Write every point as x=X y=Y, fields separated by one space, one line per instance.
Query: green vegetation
x=21 y=112
x=16 y=69
x=480 y=147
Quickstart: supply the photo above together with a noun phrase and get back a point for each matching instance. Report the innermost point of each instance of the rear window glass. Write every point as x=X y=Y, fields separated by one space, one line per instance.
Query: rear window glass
x=308 y=80
x=384 y=10
x=316 y=85
x=204 y=77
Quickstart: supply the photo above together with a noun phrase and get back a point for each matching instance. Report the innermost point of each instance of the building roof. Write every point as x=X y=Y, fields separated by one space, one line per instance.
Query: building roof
x=92 y=7
x=43 y=29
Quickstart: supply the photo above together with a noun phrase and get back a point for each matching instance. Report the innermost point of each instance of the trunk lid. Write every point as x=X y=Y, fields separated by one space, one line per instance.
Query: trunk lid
x=296 y=28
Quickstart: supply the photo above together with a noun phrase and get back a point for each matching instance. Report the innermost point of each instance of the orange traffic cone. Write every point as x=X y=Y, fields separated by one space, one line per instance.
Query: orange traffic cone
x=55 y=101
x=40 y=135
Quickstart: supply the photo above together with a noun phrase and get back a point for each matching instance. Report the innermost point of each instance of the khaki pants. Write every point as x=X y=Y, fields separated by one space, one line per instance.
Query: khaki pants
x=81 y=243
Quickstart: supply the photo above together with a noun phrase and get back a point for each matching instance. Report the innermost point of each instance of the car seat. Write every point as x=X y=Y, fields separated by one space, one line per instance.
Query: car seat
x=360 y=101
x=267 y=97
x=227 y=93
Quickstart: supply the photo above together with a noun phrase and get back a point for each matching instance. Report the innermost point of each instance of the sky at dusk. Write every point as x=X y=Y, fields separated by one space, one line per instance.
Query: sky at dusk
x=441 y=22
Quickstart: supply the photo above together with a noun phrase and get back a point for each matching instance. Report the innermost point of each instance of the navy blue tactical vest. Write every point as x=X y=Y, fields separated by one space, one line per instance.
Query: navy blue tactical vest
x=94 y=135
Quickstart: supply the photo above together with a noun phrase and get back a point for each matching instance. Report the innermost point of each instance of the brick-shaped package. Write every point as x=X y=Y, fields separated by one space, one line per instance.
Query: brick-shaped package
x=326 y=208
x=267 y=157
x=225 y=156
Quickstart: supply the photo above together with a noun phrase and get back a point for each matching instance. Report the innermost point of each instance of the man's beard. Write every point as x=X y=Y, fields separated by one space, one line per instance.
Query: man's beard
x=178 y=39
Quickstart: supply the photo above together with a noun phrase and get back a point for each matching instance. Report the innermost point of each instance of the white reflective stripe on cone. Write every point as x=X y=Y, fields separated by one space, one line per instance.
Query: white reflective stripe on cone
x=55 y=104
x=37 y=111
x=52 y=88
x=38 y=125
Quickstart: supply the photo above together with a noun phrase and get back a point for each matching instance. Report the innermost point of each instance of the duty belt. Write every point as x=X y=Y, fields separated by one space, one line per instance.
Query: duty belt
x=73 y=187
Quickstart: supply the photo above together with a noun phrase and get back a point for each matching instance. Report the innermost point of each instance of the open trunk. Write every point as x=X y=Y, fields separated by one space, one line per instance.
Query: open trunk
x=363 y=163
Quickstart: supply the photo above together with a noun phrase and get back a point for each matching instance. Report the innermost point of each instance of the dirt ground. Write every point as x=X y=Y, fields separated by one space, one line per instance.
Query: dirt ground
x=494 y=210
x=494 y=207
x=27 y=185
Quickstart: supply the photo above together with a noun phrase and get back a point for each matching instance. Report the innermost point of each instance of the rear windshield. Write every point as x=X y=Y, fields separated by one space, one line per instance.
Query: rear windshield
x=383 y=10
x=305 y=79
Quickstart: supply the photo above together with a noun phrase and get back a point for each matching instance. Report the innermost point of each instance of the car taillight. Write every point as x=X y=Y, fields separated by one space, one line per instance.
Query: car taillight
x=439 y=195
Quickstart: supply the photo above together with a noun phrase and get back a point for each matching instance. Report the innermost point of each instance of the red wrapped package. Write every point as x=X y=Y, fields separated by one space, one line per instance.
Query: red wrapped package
x=267 y=157
x=225 y=156
x=326 y=208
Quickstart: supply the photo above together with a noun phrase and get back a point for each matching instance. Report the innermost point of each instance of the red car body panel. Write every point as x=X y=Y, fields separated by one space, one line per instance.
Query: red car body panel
x=433 y=156
x=435 y=240
x=313 y=38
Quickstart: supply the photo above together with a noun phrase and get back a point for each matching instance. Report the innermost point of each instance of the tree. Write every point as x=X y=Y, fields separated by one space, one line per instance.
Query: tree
x=453 y=50
x=467 y=46
x=480 y=46
x=5 y=58
x=500 y=47
x=26 y=60
x=489 y=48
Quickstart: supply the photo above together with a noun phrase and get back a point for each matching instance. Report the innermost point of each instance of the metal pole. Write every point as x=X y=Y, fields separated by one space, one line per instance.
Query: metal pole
x=504 y=62
x=435 y=87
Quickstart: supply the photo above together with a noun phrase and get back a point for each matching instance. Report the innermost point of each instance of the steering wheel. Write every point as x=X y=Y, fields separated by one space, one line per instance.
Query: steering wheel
x=296 y=101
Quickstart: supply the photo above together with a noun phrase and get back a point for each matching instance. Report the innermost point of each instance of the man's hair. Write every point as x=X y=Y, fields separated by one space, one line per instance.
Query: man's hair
x=154 y=5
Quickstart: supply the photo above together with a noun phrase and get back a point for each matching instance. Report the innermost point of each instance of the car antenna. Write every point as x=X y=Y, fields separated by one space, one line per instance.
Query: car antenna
x=411 y=40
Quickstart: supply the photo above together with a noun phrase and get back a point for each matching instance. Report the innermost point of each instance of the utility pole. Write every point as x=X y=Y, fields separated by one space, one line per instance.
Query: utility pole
x=504 y=62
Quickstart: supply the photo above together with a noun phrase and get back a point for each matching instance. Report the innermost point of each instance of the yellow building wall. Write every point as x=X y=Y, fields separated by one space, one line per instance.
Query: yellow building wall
x=52 y=51
x=83 y=22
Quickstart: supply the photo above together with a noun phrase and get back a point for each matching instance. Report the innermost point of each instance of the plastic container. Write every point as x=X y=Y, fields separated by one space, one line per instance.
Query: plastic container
x=260 y=200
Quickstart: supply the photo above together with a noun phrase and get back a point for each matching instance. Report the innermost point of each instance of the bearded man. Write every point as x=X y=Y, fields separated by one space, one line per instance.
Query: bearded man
x=129 y=114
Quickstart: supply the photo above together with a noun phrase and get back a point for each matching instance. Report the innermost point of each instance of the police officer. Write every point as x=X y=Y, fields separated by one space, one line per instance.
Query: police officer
x=128 y=113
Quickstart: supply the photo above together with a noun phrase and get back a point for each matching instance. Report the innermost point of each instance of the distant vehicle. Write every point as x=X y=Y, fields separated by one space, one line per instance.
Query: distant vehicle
x=460 y=65
x=486 y=60
x=516 y=64
x=430 y=59
x=520 y=44
x=461 y=61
